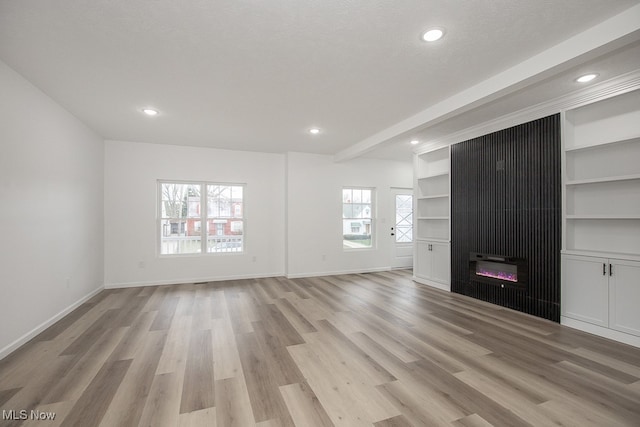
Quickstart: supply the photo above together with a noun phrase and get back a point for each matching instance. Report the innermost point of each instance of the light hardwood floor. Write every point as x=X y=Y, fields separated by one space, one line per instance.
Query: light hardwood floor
x=352 y=350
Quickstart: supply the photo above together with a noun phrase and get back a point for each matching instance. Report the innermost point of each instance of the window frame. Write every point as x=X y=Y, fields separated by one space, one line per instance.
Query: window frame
x=372 y=219
x=203 y=218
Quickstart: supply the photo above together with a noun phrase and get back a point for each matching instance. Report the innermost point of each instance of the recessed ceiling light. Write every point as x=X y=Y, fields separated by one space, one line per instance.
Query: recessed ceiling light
x=415 y=142
x=586 y=78
x=314 y=131
x=150 y=112
x=433 y=35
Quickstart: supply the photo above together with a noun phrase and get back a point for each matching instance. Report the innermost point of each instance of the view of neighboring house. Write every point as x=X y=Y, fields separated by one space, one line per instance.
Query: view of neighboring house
x=182 y=216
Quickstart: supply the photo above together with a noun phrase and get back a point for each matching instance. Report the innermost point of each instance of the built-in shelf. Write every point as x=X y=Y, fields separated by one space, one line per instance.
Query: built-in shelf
x=437 y=196
x=434 y=175
x=432 y=228
x=632 y=217
x=601 y=222
x=603 y=144
x=603 y=179
x=432 y=239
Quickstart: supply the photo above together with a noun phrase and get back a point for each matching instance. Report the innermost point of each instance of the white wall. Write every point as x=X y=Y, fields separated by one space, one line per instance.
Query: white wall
x=51 y=207
x=314 y=212
x=131 y=174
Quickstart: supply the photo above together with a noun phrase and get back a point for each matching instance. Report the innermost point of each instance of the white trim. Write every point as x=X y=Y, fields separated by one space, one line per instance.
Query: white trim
x=601 y=254
x=431 y=283
x=44 y=325
x=189 y=280
x=598 y=92
x=204 y=217
x=601 y=331
x=337 y=273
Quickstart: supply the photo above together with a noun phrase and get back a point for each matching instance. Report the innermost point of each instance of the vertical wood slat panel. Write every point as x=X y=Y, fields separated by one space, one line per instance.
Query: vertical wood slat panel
x=506 y=200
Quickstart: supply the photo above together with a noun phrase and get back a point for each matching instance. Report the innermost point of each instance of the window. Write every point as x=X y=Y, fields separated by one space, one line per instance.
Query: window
x=357 y=218
x=404 y=218
x=185 y=207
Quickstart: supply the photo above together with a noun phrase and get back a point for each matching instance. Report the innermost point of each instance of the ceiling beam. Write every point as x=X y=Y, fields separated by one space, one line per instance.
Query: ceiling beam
x=611 y=34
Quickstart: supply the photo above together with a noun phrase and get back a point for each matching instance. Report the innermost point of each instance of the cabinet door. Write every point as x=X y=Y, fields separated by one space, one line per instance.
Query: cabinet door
x=624 y=296
x=440 y=262
x=585 y=289
x=422 y=263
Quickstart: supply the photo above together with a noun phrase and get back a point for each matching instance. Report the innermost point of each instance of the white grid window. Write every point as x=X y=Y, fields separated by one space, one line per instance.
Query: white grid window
x=185 y=207
x=357 y=218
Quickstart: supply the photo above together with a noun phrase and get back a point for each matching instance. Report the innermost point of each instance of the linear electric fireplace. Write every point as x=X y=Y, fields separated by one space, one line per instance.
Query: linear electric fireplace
x=498 y=270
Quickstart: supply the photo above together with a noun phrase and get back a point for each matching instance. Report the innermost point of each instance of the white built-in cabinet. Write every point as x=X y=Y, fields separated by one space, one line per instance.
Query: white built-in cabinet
x=601 y=218
x=432 y=225
x=602 y=291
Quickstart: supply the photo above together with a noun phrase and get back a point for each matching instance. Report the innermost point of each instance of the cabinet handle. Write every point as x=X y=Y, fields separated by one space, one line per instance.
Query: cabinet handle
x=610 y=270
x=604 y=269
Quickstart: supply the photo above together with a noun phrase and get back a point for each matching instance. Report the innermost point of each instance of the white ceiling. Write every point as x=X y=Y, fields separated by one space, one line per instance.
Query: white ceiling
x=256 y=75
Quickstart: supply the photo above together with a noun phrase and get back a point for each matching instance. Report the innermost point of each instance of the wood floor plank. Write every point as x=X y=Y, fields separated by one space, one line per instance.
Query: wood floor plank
x=304 y=406
x=92 y=405
x=342 y=407
x=163 y=319
x=226 y=360
x=5 y=395
x=198 y=390
x=162 y=405
x=134 y=337
x=131 y=310
x=347 y=350
x=17 y=372
x=297 y=320
x=187 y=295
x=218 y=304
x=570 y=413
x=464 y=396
x=517 y=402
x=266 y=401
x=351 y=324
x=45 y=377
x=607 y=360
x=202 y=308
x=240 y=320
x=202 y=418
x=176 y=349
x=128 y=403
x=277 y=325
x=353 y=355
x=82 y=344
x=397 y=421
x=283 y=370
x=416 y=407
x=232 y=403
x=74 y=382
x=474 y=420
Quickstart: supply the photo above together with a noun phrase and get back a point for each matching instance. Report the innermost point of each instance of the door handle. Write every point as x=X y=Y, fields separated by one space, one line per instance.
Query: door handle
x=393 y=234
x=610 y=270
x=604 y=269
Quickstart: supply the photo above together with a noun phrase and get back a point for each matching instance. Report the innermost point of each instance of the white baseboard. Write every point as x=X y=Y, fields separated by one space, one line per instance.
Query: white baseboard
x=437 y=285
x=600 y=331
x=189 y=280
x=44 y=325
x=336 y=273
